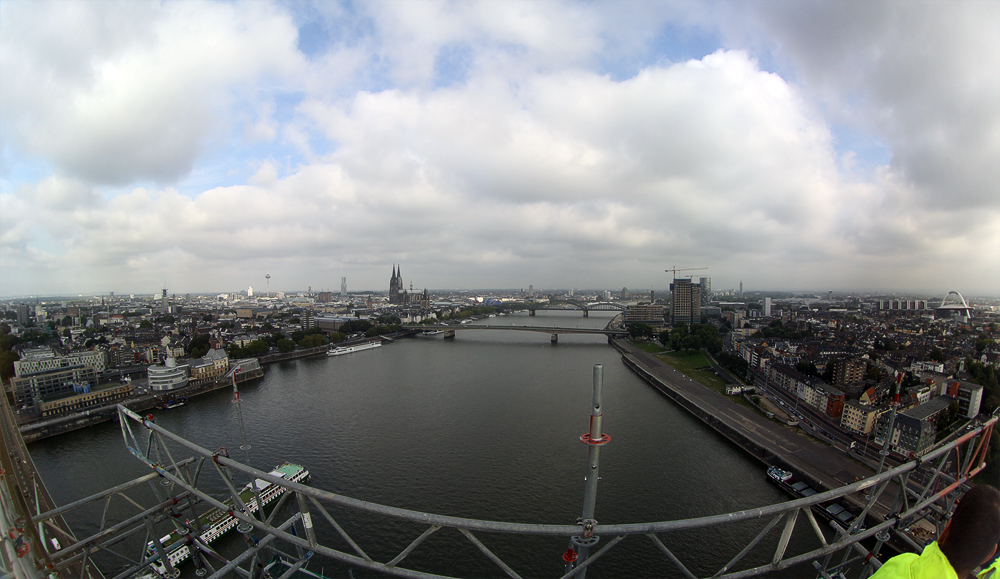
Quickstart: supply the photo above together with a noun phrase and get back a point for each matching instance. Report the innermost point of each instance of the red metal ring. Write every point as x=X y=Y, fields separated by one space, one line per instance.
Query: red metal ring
x=605 y=438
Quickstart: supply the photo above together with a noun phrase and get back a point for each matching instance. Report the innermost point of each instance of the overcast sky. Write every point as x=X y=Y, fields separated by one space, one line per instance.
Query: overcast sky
x=794 y=145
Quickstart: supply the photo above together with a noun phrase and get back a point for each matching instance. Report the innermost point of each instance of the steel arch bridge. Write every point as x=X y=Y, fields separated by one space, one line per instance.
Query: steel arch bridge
x=569 y=305
x=290 y=531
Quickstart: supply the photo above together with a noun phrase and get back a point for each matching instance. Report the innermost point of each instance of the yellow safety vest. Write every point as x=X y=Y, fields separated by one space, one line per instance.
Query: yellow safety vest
x=931 y=564
x=991 y=572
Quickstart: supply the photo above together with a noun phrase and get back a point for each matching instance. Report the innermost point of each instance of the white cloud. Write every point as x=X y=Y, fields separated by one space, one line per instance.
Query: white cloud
x=119 y=92
x=485 y=144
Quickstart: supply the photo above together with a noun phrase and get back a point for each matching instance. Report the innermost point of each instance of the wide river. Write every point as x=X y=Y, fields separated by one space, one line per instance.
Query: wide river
x=486 y=426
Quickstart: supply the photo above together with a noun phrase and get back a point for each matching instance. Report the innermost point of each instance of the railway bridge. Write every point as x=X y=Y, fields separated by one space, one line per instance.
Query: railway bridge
x=573 y=305
x=449 y=329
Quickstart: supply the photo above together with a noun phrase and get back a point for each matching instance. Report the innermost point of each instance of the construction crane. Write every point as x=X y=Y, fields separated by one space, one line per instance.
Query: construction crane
x=676 y=269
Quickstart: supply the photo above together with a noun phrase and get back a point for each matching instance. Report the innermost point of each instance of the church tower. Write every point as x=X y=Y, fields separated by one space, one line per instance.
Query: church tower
x=395 y=285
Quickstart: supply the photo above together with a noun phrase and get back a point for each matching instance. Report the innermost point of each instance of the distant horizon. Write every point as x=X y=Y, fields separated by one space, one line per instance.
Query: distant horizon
x=818 y=294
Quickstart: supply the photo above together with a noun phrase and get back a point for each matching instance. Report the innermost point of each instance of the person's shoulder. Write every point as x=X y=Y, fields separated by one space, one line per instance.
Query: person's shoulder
x=897 y=568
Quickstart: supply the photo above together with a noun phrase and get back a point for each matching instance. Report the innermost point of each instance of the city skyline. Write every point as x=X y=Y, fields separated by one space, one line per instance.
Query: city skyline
x=807 y=146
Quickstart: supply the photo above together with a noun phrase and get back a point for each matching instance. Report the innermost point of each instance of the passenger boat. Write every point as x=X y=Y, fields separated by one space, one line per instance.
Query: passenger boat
x=340 y=351
x=216 y=523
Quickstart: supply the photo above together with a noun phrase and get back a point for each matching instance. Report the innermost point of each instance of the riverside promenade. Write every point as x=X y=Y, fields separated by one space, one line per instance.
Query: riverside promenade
x=822 y=466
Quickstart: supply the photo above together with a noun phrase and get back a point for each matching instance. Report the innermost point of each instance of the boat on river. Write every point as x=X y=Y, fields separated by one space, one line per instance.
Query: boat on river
x=340 y=351
x=831 y=510
x=172 y=403
x=216 y=523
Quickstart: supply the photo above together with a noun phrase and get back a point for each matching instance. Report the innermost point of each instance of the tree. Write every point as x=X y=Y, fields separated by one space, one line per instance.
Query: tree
x=691 y=342
x=199 y=346
x=312 y=340
x=286 y=345
x=7 y=359
x=807 y=368
x=639 y=330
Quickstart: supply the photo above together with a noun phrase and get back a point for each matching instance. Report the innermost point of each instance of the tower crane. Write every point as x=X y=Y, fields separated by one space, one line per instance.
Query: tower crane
x=676 y=269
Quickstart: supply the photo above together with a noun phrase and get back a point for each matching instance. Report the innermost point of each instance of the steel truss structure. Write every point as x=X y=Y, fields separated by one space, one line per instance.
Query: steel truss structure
x=942 y=473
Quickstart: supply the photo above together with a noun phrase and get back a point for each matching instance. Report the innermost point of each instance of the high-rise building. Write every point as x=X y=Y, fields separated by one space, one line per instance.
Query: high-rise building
x=767 y=307
x=343 y=287
x=22 y=314
x=531 y=291
x=706 y=289
x=685 y=302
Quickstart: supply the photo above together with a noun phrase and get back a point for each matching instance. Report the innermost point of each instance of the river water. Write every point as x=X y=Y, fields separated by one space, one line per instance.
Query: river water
x=484 y=426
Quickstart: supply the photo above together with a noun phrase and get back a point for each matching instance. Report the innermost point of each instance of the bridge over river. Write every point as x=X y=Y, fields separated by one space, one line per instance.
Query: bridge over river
x=449 y=330
x=570 y=305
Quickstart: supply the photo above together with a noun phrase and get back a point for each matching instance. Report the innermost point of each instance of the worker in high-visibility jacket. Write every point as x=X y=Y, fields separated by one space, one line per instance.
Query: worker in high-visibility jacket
x=968 y=542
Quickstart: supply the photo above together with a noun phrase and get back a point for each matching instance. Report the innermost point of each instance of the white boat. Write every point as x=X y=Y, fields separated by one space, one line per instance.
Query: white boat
x=216 y=523
x=356 y=348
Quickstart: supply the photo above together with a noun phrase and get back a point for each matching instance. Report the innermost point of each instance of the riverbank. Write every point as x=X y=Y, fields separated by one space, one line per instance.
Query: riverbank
x=35 y=431
x=821 y=466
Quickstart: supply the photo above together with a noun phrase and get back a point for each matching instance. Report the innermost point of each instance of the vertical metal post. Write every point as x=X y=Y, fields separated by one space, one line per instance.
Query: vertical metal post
x=579 y=546
x=245 y=527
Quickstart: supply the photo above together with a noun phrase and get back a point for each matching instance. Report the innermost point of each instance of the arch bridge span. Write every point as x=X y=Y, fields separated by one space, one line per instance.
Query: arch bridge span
x=570 y=305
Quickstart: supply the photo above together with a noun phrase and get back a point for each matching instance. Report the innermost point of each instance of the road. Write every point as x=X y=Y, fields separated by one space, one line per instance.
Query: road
x=826 y=464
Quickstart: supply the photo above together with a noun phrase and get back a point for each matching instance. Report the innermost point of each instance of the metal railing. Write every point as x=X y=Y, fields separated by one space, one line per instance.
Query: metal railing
x=291 y=529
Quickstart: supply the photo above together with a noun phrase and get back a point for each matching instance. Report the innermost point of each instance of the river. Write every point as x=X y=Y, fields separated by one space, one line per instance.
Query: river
x=487 y=426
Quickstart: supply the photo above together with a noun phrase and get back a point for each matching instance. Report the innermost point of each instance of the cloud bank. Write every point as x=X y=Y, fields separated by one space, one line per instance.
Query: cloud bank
x=790 y=146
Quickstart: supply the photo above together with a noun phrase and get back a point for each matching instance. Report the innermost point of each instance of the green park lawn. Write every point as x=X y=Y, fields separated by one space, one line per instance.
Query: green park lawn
x=695 y=365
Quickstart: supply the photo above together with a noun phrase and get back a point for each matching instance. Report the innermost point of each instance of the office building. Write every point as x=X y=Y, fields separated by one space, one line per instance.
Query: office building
x=34 y=387
x=44 y=359
x=706 y=289
x=685 y=302
x=647 y=314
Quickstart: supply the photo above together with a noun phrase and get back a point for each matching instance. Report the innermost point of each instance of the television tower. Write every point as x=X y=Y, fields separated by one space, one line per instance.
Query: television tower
x=267 y=276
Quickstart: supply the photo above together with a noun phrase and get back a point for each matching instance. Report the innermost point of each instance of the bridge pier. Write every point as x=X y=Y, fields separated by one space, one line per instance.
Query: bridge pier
x=554 y=338
x=531 y=312
x=449 y=334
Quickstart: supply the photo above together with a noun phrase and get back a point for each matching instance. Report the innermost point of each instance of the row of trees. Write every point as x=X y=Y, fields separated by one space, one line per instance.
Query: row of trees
x=681 y=336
